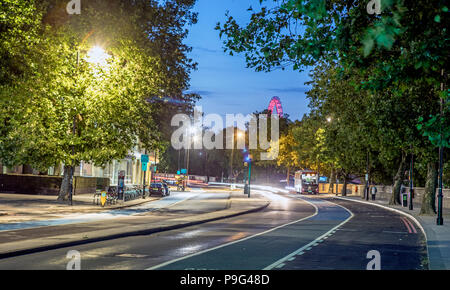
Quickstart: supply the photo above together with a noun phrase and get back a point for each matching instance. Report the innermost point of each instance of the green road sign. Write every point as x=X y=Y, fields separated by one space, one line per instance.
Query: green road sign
x=144 y=158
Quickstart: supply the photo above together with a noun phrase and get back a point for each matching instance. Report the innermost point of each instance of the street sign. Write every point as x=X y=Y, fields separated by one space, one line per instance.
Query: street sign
x=144 y=158
x=144 y=166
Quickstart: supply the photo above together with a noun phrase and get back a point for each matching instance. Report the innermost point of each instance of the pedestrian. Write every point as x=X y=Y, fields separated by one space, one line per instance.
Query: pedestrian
x=374 y=192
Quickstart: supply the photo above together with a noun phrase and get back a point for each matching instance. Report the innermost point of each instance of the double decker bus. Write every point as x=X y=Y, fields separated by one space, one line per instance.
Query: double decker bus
x=306 y=182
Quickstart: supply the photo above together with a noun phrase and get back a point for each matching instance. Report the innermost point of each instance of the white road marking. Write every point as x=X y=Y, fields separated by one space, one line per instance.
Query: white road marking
x=308 y=246
x=237 y=241
x=392 y=232
x=280 y=266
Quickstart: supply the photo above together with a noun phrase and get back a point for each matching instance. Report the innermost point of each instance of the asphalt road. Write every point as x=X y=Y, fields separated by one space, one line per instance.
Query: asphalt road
x=292 y=233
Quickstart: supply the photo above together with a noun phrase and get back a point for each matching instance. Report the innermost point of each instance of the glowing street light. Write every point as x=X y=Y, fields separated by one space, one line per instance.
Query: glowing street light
x=97 y=56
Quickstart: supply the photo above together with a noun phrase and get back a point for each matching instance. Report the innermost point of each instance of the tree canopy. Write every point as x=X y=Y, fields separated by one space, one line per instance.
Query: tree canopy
x=71 y=101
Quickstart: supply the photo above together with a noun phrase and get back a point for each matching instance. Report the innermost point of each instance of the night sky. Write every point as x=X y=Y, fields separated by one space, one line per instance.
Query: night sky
x=224 y=82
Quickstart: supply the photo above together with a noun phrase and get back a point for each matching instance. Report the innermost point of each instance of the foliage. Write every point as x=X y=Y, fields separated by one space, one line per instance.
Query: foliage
x=64 y=108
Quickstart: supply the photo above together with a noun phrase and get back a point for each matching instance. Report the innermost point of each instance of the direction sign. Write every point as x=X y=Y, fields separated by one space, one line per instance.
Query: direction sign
x=144 y=158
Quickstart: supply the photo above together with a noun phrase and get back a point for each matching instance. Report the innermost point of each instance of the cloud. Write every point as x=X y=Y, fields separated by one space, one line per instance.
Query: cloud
x=204 y=49
x=290 y=90
x=200 y=92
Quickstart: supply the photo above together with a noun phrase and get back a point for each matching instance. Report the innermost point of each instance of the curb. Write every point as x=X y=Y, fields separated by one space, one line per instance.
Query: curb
x=123 y=235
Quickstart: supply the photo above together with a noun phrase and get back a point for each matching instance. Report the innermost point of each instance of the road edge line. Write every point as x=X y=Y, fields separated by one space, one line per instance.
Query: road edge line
x=233 y=242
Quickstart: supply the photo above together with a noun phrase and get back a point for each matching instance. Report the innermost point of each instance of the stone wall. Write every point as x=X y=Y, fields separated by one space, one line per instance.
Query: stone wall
x=48 y=185
x=384 y=192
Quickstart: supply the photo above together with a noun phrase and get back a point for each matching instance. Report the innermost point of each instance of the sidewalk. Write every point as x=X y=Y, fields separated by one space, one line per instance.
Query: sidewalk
x=23 y=207
x=24 y=241
x=438 y=237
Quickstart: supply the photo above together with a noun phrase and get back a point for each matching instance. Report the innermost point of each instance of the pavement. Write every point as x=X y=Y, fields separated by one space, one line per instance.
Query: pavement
x=438 y=237
x=140 y=217
x=24 y=207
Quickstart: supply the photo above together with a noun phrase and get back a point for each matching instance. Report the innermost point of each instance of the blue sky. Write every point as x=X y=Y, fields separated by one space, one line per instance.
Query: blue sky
x=224 y=82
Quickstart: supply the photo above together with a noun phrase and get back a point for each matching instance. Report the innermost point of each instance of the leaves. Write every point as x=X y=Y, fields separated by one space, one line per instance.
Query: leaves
x=64 y=110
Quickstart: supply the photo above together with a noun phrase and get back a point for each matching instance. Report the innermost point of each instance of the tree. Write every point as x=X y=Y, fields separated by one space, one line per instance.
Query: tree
x=287 y=156
x=68 y=109
x=396 y=60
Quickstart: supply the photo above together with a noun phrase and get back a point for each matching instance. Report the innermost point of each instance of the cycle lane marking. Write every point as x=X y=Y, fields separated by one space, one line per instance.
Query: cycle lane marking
x=234 y=242
x=280 y=263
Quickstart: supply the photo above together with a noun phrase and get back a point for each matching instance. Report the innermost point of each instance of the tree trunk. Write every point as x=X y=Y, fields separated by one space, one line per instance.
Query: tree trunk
x=344 y=187
x=398 y=179
x=287 y=177
x=429 y=197
x=364 y=192
x=66 y=183
x=332 y=181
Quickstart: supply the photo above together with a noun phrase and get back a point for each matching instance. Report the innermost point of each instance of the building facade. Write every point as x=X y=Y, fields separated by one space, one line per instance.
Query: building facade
x=131 y=165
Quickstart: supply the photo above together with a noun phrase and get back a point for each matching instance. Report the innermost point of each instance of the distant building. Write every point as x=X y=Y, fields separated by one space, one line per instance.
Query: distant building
x=130 y=164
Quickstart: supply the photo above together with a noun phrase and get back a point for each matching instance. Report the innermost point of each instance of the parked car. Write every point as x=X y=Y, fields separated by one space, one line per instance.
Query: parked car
x=157 y=189
x=171 y=182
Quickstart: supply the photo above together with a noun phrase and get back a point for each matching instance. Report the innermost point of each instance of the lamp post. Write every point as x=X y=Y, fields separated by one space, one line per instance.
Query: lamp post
x=97 y=56
x=440 y=219
x=239 y=135
x=248 y=160
x=249 y=173
x=72 y=168
x=411 y=190
x=367 y=176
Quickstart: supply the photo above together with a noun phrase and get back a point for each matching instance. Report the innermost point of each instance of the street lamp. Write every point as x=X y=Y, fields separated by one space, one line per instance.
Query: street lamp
x=239 y=136
x=191 y=131
x=97 y=56
x=440 y=219
x=248 y=160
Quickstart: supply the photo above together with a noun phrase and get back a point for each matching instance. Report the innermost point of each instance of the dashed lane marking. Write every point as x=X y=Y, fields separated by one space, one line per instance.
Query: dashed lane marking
x=238 y=241
x=308 y=246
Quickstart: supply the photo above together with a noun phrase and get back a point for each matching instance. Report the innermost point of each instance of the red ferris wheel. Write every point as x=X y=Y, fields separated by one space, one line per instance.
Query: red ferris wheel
x=275 y=103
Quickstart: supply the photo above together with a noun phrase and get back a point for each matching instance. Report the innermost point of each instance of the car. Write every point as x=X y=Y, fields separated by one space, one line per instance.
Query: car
x=171 y=182
x=157 y=189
